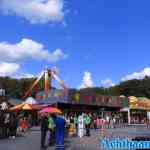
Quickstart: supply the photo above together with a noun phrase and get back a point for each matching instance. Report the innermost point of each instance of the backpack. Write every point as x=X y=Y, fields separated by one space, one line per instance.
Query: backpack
x=51 y=124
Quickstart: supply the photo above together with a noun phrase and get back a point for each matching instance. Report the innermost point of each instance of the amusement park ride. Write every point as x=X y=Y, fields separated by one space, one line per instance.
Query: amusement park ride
x=48 y=75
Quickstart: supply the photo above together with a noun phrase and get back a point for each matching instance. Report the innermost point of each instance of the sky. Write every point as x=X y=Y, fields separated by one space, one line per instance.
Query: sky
x=92 y=43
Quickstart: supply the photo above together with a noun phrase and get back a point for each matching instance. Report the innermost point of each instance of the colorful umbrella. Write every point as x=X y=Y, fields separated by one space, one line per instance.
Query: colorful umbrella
x=25 y=106
x=31 y=100
x=17 y=107
x=51 y=110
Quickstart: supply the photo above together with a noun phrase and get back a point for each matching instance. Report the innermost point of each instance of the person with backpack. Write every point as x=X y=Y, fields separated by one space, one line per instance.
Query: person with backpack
x=51 y=128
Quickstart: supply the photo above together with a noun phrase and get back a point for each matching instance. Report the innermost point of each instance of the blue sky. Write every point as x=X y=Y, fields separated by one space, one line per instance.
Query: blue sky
x=104 y=41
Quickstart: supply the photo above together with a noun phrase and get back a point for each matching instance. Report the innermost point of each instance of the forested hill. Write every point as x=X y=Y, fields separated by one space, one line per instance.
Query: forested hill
x=135 y=87
x=140 y=88
x=15 y=88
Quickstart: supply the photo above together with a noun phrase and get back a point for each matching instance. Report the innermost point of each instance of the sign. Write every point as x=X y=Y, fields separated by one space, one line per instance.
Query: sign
x=138 y=103
x=100 y=100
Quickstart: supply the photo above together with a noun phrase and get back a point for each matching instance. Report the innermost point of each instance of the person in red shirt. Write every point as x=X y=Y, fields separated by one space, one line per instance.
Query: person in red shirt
x=24 y=124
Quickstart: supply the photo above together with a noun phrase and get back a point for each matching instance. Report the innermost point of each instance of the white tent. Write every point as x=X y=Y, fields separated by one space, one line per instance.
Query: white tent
x=30 y=100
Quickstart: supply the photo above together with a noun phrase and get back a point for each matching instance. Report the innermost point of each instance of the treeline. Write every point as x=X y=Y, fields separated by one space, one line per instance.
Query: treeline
x=17 y=87
x=139 y=88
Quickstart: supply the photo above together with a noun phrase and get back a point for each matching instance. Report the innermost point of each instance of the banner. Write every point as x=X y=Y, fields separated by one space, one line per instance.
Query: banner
x=139 y=103
x=110 y=101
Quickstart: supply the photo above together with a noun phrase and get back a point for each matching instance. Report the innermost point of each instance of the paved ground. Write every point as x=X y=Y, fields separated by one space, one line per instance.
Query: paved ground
x=31 y=141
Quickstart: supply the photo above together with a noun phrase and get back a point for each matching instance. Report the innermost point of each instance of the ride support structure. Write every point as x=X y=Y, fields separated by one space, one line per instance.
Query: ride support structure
x=48 y=75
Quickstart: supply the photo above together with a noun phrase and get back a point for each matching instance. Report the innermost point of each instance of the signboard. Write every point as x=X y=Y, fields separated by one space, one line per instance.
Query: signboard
x=138 y=103
x=54 y=96
x=111 y=101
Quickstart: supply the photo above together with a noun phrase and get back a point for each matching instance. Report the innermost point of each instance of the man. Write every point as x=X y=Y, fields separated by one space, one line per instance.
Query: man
x=60 y=132
x=44 y=128
x=76 y=121
x=51 y=126
x=1 y=125
x=87 y=124
x=6 y=125
x=13 y=126
x=81 y=126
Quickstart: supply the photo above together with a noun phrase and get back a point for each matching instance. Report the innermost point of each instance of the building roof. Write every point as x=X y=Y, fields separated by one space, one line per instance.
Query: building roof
x=14 y=101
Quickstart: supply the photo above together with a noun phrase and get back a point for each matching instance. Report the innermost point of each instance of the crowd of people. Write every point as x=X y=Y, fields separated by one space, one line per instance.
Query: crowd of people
x=54 y=127
x=92 y=121
x=139 y=120
x=12 y=123
x=8 y=125
x=78 y=125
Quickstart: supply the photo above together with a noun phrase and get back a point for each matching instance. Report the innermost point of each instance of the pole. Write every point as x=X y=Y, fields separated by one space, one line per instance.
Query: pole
x=50 y=79
x=46 y=84
x=129 y=117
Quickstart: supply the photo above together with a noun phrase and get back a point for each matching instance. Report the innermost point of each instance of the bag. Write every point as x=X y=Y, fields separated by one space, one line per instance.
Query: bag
x=47 y=139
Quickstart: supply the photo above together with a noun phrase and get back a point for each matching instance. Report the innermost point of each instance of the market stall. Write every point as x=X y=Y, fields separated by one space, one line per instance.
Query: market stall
x=138 y=110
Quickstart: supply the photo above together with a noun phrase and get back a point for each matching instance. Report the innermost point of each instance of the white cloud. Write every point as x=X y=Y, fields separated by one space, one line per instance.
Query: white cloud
x=13 y=70
x=137 y=75
x=24 y=75
x=35 y=11
x=107 y=83
x=8 y=69
x=87 y=81
x=28 y=48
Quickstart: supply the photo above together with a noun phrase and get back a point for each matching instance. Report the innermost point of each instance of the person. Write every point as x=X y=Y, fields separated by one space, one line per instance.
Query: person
x=60 y=132
x=87 y=124
x=98 y=121
x=95 y=124
x=24 y=124
x=114 y=122
x=107 y=121
x=13 y=126
x=76 y=121
x=51 y=126
x=44 y=128
x=6 y=125
x=30 y=121
x=81 y=126
x=1 y=124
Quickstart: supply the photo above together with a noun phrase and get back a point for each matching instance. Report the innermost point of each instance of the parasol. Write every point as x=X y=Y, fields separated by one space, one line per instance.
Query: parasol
x=31 y=100
x=50 y=110
x=25 y=106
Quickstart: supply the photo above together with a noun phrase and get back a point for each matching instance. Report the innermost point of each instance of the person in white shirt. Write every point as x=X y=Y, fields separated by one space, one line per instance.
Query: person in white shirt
x=81 y=126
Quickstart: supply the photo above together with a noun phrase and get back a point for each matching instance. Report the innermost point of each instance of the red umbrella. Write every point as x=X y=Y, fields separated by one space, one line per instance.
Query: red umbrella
x=51 y=110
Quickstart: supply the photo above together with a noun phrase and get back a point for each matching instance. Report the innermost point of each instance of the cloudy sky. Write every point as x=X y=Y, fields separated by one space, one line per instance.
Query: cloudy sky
x=92 y=43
